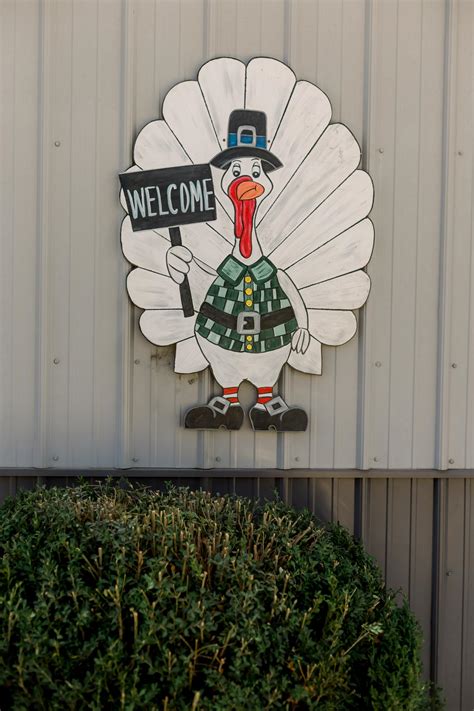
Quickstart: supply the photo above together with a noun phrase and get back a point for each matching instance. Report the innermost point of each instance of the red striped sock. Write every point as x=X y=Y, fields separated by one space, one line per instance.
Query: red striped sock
x=264 y=395
x=231 y=394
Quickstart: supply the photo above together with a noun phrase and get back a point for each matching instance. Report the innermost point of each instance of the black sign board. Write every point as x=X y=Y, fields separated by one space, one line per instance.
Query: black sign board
x=169 y=197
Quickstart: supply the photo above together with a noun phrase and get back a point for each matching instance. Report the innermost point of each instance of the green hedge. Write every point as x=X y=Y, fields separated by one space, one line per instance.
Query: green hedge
x=114 y=598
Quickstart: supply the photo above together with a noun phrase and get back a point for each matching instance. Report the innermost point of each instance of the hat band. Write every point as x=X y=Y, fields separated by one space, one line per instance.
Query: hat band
x=245 y=140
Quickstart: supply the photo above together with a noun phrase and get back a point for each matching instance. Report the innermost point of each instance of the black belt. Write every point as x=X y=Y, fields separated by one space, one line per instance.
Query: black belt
x=270 y=320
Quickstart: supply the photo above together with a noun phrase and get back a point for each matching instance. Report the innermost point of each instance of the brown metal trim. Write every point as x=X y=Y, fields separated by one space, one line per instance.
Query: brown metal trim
x=247 y=473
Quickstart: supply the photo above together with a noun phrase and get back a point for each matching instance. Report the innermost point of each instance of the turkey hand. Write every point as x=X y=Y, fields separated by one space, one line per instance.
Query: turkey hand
x=177 y=261
x=301 y=340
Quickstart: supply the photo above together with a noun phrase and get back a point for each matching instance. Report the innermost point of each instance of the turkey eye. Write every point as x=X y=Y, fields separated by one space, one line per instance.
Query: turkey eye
x=256 y=172
x=236 y=170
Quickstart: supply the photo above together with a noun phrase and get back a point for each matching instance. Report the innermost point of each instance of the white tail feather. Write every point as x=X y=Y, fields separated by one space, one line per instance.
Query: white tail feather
x=345 y=253
x=157 y=147
x=334 y=157
x=146 y=248
x=166 y=327
x=332 y=327
x=268 y=87
x=346 y=206
x=349 y=291
x=306 y=117
x=229 y=75
x=150 y=290
x=189 y=357
x=186 y=113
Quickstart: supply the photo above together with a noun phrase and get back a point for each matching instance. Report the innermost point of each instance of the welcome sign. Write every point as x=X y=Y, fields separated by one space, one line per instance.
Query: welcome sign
x=169 y=197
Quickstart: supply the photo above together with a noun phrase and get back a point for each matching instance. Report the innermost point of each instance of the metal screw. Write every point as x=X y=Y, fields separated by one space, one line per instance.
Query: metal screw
x=451 y=461
x=135 y=459
x=460 y=153
x=56 y=361
x=57 y=143
x=378 y=364
x=449 y=572
x=297 y=459
x=55 y=458
x=454 y=365
x=381 y=150
x=376 y=459
x=137 y=361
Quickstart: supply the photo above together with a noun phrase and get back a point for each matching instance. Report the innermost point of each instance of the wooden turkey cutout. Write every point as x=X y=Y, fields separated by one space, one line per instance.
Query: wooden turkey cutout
x=247 y=224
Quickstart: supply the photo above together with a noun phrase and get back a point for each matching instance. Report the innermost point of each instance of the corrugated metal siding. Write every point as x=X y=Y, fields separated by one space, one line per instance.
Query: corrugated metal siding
x=79 y=80
x=81 y=389
x=419 y=529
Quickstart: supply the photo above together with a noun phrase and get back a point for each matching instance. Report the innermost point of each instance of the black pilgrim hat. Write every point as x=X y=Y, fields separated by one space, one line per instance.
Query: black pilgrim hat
x=247 y=137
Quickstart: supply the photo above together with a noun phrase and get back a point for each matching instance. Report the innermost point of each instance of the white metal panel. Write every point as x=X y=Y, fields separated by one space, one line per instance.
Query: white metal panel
x=19 y=154
x=88 y=75
x=400 y=354
x=458 y=273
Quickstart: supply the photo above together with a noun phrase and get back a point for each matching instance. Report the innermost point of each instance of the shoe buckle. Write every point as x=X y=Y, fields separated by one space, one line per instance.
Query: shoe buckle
x=219 y=405
x=248 y=323
x=276 y=406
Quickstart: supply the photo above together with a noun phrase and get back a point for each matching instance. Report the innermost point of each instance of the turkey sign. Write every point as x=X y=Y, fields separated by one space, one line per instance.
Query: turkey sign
x=268 y=234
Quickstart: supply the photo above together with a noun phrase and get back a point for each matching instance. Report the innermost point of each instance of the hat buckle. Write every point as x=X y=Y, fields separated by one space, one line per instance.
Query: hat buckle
x=247 y=129
x=247 y=138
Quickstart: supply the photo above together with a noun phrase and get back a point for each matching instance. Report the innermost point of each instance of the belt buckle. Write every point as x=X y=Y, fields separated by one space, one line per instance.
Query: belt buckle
x=248 y=323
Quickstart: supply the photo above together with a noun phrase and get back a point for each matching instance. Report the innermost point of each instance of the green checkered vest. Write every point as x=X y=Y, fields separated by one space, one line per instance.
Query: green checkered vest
x=252 y=288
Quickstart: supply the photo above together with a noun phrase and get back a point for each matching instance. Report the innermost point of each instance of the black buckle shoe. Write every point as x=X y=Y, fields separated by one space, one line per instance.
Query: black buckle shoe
x=279 y=417
x=216 y=415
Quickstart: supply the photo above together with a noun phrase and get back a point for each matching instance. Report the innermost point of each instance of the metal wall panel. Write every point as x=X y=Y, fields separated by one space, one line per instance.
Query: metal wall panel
x=20 y=276
x=80 y=388
x=457 y=386
x=79 y=384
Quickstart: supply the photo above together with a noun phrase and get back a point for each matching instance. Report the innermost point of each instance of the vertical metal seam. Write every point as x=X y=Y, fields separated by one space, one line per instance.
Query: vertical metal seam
x=444 y=300
x=392 y=245
x=388 y=501
x=13 y=243
x=412 y=534
x=362 y=345
x=125 y=313
x=435 y=579
x=287 y=31
x=465 y=576
x=68 y=296
x=94 y=415
x=358 y=507
x=205 y=28
x=417 y=241
x=41 y=301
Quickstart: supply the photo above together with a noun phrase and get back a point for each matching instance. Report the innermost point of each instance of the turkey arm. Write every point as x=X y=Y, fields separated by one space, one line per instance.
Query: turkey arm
x=295 y=299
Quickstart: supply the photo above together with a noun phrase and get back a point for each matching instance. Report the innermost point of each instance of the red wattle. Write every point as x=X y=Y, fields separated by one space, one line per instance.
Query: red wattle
x=243 y=221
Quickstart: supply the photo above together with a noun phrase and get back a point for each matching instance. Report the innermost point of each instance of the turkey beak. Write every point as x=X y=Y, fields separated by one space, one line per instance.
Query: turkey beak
x=249 y=190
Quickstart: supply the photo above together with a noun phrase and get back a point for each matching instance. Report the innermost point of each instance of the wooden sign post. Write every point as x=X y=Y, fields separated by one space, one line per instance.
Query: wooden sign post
x=169 y=198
